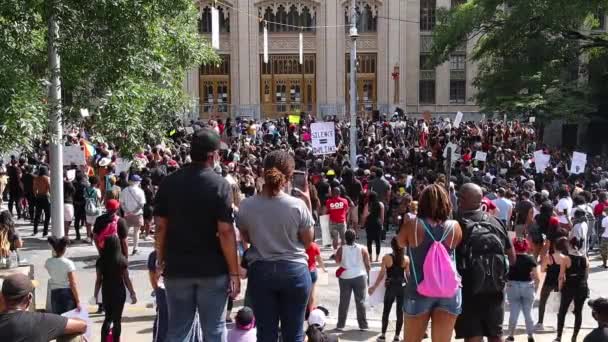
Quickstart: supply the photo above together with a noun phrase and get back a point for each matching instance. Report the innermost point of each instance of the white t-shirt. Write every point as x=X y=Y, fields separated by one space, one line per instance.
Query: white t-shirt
x=564 y=203
x=579 y=231
x=605 y=226
x=58 y=269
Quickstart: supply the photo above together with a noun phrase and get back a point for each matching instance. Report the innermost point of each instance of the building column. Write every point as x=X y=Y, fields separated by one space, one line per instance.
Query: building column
x=442 y=78
x=321 y=66
x=385 y=44
x=410 y=73
x=254 y=60
x=337 y=79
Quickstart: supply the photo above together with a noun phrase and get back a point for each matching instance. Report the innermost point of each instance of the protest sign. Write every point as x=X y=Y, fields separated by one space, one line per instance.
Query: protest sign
x=376 y=298
x=73 y=155
x=189 y=130
x=455 y=154
x=532 y=119
x=294 y=119
x=458 y=119
x=481 y=156
x=541 y=161
x=323 y=138
x=579 y=160
x=325 y=235
x=122 y=165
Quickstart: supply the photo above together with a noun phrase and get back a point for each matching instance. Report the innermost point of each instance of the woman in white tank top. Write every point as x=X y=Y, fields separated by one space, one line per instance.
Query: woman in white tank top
x=354 y=264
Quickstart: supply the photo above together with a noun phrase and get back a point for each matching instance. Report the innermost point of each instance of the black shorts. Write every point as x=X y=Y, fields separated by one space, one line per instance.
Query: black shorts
x=481 y=315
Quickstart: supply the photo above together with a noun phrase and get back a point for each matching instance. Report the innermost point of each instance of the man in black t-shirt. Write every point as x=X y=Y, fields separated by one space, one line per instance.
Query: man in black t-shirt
x=354 y=191
x=196 y=242
x=17 y=324
x=482 y=314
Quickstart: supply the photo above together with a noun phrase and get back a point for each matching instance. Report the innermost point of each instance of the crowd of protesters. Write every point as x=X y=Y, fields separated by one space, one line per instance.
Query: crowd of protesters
x=240 y=199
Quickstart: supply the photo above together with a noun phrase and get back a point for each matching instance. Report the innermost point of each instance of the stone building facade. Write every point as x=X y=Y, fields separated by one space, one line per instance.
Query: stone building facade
x=392 y=68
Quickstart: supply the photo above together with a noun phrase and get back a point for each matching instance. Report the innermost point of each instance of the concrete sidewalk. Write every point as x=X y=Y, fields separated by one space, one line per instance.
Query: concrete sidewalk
x=138 y=319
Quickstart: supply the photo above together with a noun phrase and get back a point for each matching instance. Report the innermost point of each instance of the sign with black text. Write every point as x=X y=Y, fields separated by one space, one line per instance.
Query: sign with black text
x=323 y=136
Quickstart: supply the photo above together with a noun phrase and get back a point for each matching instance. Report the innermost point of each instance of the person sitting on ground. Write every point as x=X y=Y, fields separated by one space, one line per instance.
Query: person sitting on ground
x=18 y=324
x=244 y=329
x=316 y=326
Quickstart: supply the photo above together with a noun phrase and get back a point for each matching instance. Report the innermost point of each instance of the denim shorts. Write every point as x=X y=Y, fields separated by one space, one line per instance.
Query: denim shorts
x=416 y=304
x=313 y=276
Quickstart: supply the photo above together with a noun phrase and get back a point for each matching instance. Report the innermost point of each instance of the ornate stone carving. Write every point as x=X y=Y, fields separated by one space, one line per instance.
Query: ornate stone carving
x=299 y=4
x=373 y=4
x=364 y=43
x=288 y=43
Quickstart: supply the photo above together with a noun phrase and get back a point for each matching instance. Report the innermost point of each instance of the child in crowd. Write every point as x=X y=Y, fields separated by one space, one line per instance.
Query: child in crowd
x=244 y=329
x=62 y=283
x=316 y=324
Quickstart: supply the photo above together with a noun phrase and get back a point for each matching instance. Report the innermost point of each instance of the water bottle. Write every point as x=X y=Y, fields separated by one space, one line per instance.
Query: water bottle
x=13 y=260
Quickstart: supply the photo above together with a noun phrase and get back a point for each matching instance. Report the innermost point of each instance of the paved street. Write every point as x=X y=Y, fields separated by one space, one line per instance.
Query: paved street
x=138 y=318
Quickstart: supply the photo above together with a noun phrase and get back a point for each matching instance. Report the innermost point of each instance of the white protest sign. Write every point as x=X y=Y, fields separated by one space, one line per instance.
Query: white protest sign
x=325 y=235
x=532 y=119
x=541 y=161
x=73 y=155
x=481 y=156
x=84 y=112
x=71 y=175
x=458 y=119
x=323 y=138
x=455 y=154
x=579 y=160
x=122 y=165
x=189 y=130
x=376 y=298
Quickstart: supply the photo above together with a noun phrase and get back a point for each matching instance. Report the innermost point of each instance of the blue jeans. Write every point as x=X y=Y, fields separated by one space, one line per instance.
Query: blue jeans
x=159 y=331
x=279 y=290
x=186 y=295
x=521 y=298
x=62 y=300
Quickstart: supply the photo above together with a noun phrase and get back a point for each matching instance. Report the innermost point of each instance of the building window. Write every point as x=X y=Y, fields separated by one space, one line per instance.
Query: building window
x=427 y=15
x=288 y=20
x=458 y=83
x=458 y=92
x=427 y=91
x=205 y=21
x=367 y=21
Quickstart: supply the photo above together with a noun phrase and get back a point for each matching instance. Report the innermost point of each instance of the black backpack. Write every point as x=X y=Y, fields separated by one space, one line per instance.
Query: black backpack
x=483 y=261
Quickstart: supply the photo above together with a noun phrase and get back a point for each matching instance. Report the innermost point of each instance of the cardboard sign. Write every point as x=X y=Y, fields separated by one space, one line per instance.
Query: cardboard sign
x=325 y=235
x=122 y=165
x=541 y=161
x=323 y=136
x=73 y=155
x=458 y=119
x=294 y=119
x=579 y=160
x=481 y=156
x=376 y=298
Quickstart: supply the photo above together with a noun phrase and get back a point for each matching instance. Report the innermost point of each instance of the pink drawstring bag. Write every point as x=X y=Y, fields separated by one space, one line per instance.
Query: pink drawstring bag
x=441 y=280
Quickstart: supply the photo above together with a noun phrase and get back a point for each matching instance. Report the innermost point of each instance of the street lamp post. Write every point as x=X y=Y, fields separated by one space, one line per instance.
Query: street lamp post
x=55 y=127
x=353 y=85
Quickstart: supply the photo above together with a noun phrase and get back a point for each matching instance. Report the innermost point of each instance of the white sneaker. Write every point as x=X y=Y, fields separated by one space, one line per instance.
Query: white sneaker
x=539 y=327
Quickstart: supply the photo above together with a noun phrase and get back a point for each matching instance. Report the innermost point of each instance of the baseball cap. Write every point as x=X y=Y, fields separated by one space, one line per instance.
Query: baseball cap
x=317 y=317
x=17 y=286
x=204 y=142
x=135 y=178
x=112 y=205
x=245 y=319
x=330 y=173
x=599 y=305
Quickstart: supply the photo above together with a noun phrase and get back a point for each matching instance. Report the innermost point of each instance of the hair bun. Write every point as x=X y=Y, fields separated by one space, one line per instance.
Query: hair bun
x=273 y=177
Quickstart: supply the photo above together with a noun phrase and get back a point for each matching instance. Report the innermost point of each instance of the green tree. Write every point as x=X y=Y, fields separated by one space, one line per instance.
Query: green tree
x=537 y=57
x=124 y=60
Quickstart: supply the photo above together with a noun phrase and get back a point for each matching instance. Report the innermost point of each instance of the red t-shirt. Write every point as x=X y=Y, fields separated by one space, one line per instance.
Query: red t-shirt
x=599 y=208
x=337 y=207
x=313 y=251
